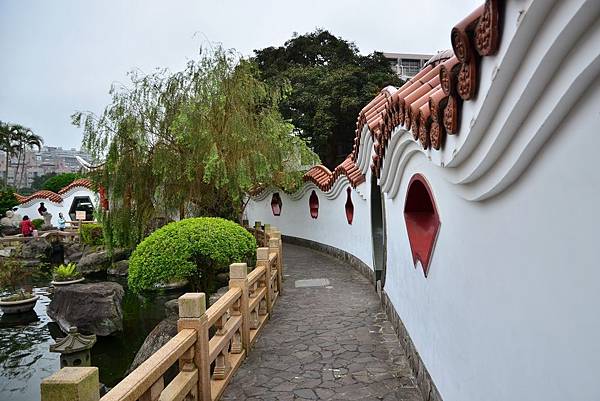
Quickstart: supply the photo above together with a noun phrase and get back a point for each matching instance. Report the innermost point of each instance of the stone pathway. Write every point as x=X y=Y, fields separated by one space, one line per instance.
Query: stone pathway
x=325 y=342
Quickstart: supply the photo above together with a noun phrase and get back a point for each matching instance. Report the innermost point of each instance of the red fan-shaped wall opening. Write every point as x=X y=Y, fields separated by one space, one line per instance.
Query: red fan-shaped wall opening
x=313 y=204
x=422 y=220
x=276 y=204
x=349 y=206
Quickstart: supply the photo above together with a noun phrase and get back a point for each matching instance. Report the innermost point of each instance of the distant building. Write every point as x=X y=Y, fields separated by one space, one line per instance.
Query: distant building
x=407 y=65
x=49 y=159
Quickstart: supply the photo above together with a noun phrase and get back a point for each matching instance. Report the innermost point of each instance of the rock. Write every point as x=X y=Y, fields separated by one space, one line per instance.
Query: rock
x=158 y=337
x=217 y=295
x=93 y=308
x=120 y=268
x=120 y=254
x=223 y=279
x=74 y=257
x=94 y=262
x=172 y=309
x=36 y=248
x=8 y=251
x=8 y=230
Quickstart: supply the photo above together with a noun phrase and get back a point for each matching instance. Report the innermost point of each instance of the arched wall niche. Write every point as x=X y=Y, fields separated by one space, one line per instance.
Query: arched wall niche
x=422 y=220
x=276 y=204
x=349 y=206
x=313 y=205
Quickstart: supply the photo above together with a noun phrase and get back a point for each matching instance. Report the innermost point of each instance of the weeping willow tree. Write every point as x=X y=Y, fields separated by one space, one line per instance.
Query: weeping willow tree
x=190 y=143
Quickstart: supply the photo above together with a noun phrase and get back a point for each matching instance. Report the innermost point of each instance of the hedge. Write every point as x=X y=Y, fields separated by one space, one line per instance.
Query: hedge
x=91 y=234
x=193 y=249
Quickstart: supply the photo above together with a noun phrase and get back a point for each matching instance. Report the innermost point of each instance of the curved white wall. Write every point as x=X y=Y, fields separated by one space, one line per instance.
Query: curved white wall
x=31 y=208
x=509 y=308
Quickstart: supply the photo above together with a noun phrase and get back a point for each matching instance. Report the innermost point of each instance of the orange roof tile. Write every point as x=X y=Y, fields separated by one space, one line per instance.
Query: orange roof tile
x=429 y=104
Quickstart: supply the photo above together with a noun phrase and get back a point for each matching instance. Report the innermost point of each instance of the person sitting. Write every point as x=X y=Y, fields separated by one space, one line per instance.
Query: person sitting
x=42 y=209
x=26 y=227
x=61 y=222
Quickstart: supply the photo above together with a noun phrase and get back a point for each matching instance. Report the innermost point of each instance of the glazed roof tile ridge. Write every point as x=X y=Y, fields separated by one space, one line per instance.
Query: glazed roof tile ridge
x=80 y=182
x=53 y=196
x=43 y=194
x=429 y=104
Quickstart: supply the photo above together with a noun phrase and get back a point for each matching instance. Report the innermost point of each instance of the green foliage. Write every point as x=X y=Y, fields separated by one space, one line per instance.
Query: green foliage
x=91 y=234
x=15 y=140
x=13 y=275
x=191 y=142
x=66 y=272
x=7 y=200
x=194 y=249
x=37 y=223
x=58 y=182
x=330 y=83
x=38 y=181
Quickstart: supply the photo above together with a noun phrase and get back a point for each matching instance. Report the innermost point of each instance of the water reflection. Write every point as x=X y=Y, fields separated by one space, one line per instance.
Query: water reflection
x=24 y=356
x=25 y=339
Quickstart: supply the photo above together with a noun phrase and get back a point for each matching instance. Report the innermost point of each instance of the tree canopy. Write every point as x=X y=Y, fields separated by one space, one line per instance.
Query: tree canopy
x=330 y=83
x=15 y=139
x=58 y=181
x=190 y=142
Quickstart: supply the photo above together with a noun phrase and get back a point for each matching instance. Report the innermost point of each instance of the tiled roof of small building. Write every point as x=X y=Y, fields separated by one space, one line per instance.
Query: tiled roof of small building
x=53 y=196
x=429 y=104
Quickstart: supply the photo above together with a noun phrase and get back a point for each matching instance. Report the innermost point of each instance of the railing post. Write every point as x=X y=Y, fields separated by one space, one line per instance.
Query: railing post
x=192 y=308
x=267 y=228
x=238 y=277
x=262 y=259
x=73 y=384
x=274 y=247
x=277 y=234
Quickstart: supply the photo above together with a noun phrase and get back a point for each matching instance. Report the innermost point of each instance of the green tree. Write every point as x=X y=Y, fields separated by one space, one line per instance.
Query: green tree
x=190 y=142
x=59 y=181
x=38 y=181
x=331 y=82
x=15 y=140
x=7 y=200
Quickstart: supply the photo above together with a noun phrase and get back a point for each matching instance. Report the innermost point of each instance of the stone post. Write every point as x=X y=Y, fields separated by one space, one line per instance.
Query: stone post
x=238 y=277
x=73 y=384
x=262 y=259
x=192 y=308
x=276 y=233
x=274 y=247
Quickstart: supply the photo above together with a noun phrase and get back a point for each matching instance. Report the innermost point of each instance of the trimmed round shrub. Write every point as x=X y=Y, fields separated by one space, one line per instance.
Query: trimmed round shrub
x=194 y=249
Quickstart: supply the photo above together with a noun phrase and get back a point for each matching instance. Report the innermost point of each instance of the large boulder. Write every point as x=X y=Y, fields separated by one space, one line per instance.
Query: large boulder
x=94 y=262
x=159 y=336
x=120 y=268
x=93 y=308
x=36 y=248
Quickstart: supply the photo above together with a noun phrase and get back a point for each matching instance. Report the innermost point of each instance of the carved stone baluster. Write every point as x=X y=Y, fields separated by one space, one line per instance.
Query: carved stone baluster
x=153 y=393
x=220 y=325
x=262 y=308
x=222 y=365
x=254 y=318
x=236 y=342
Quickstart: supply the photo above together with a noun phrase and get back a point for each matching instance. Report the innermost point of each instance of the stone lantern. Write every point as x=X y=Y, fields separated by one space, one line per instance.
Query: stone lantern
x=74 y=349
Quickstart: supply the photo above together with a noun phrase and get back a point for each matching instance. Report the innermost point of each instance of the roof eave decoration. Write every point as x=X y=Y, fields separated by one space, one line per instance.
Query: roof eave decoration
x=430 y=103
x=53 y=196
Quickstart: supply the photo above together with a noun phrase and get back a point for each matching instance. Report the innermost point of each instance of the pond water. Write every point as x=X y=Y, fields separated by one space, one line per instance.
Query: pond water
x=25 y=339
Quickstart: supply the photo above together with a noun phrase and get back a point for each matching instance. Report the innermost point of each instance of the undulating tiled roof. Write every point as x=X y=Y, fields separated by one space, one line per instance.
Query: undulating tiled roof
x=429 y=104
x=53 y=196
x=81 y=182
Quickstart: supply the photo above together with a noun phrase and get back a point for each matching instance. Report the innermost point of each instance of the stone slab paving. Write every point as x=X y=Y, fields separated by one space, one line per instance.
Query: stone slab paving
x=328 y=342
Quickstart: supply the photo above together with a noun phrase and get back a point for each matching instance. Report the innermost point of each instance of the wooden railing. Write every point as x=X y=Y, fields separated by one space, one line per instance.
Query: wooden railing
x=206 y=362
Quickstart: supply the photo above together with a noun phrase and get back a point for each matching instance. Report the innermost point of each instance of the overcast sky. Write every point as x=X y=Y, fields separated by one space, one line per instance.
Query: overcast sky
x=57 y=57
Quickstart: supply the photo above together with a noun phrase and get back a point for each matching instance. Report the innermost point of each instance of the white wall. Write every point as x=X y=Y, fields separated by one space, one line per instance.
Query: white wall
x=330 y=227
x=509 y=308
x=31 y=208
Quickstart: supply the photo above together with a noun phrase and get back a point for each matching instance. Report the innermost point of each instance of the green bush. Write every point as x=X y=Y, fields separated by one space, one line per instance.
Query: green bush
x=193 y=249
x=37 y=223
x=7 y=200
x=66 y=272
x=60 y=181
x=91 y=234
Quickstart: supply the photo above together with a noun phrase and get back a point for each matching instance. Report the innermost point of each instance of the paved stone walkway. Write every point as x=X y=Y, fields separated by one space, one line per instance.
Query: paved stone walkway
x=328 y=342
